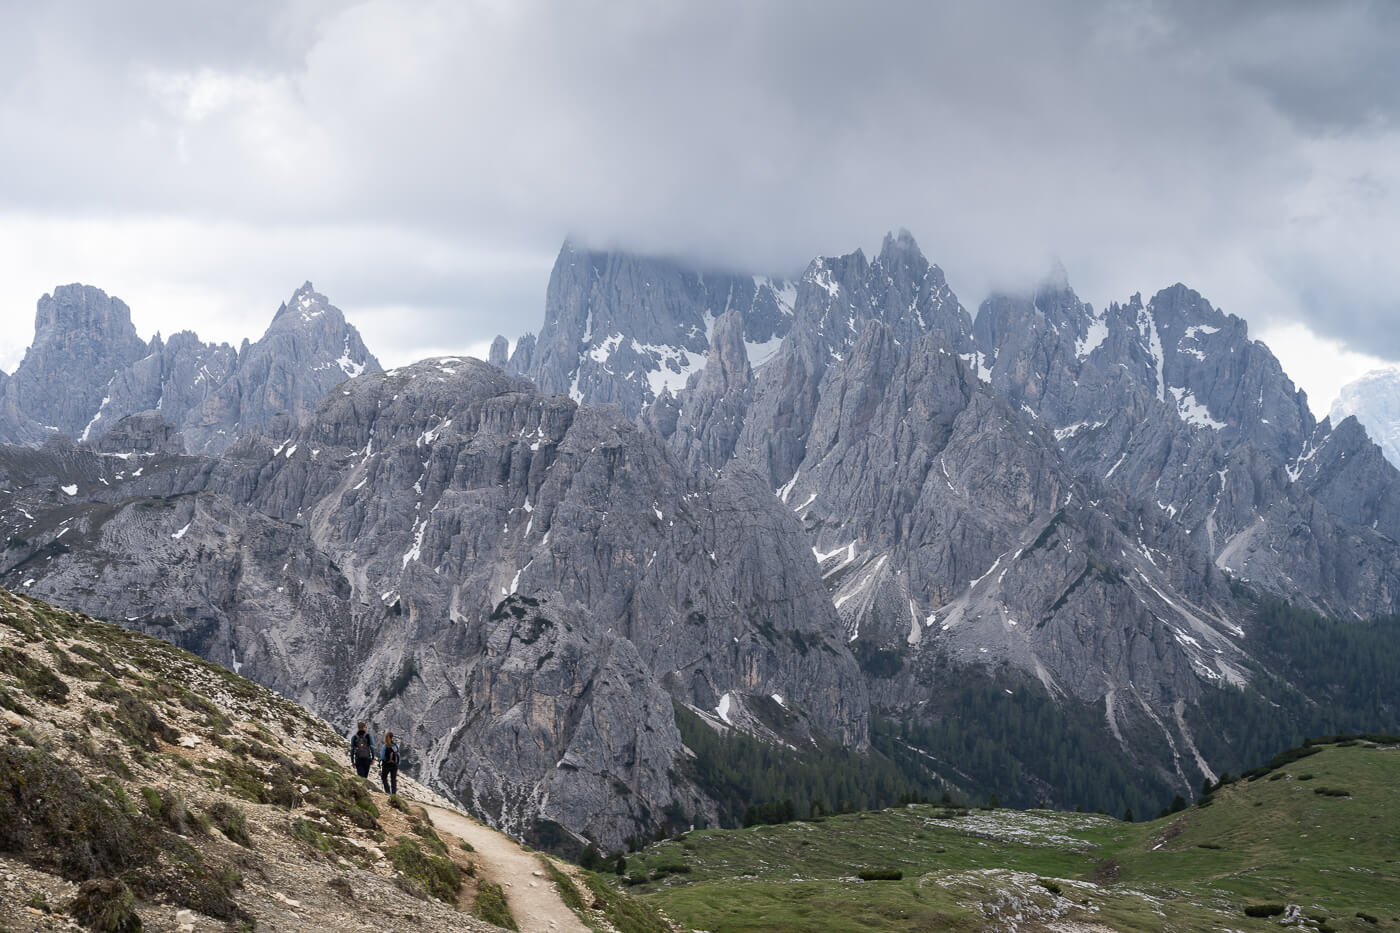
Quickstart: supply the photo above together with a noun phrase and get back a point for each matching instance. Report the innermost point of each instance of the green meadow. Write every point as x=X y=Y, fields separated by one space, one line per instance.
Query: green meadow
x=1314 y=844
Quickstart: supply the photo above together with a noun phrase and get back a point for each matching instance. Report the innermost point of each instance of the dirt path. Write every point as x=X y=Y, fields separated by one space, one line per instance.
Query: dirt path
x=533 y=900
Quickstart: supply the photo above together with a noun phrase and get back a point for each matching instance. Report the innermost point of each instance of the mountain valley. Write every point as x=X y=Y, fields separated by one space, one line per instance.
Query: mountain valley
x=1047 y=552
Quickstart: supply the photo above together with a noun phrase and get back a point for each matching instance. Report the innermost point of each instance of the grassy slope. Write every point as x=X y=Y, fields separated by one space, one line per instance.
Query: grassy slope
x=1262 y=841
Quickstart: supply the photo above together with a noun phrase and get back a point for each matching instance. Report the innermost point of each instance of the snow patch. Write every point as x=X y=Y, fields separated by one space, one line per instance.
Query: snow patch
x=181 y=533
x=1192 y=411
x=1093 y=338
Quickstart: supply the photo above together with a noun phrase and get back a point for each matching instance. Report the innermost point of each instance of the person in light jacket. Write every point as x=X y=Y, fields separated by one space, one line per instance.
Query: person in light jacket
x=389 y=764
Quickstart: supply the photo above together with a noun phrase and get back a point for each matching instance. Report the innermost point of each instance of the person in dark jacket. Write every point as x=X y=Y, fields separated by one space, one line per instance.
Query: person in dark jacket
x=362 y=751
x=389 y=764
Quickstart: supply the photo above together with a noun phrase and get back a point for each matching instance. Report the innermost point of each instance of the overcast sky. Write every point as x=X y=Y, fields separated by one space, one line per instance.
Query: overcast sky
x=422 y=161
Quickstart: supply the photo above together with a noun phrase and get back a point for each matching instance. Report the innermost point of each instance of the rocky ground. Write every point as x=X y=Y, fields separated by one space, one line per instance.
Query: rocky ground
x=159 y=786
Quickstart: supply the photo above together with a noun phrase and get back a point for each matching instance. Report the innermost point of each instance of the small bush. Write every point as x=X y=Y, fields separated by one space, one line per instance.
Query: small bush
x=1368 y=918
x=1279 y=776
x=1331 y=792
x=880 y=874
x=1049 y=884
x=231 y=821
x=105 y=905
x=1263 y=910
x=490 y=905
x=437 y=873
x=1306 y=777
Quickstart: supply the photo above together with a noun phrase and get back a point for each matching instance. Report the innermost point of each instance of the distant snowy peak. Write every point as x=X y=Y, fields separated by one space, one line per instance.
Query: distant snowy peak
x=1375 y=401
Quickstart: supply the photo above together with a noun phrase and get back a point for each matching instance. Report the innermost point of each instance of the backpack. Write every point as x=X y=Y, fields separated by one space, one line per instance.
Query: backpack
x=364 y=748
x=391 y=756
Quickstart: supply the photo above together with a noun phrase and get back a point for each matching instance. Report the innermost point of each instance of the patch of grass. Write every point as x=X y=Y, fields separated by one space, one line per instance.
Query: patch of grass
x=626 y=914
x=36 y=678
x=1261 y=842
x=141 y=726
x=81 y=830
x=438 y=874
x=568 y=892
x=490 y=905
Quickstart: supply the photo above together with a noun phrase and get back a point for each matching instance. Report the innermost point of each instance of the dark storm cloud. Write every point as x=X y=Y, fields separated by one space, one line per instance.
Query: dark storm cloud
x=1246 y=148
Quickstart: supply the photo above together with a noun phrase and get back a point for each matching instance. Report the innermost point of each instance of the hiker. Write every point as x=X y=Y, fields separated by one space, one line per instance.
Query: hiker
x=362 y=751
x=389 y=764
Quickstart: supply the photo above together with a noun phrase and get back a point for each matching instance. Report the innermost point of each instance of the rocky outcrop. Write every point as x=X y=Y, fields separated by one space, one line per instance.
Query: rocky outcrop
x=623 y=329
x=524 y=586
x=308 y=350
x=82 y=338
x=499 y=355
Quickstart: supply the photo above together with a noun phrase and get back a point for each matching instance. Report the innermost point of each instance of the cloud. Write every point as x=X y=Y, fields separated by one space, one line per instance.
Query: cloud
x=1247 y=149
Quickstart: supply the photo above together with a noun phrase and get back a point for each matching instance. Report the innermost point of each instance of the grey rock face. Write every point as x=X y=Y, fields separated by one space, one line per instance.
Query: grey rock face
x=622 y=329
x=500 y=352
x=1375 y=401
x=308 y=350
x=87 y=370
x=81 y=339
x=176 y=378
x=521 y=586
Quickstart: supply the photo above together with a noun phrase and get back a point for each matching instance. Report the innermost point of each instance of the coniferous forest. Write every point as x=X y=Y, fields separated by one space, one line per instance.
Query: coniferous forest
x=996 y=735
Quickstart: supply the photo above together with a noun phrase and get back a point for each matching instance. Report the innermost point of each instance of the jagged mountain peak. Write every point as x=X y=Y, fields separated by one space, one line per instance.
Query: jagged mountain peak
x=79 y=307
x=304 y=307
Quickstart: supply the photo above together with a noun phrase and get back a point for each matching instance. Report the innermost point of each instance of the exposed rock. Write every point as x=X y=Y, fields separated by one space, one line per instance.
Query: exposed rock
x=82 y=338
x=308 y=350
x=530 y=585
x=500 y=352
x=621 y=328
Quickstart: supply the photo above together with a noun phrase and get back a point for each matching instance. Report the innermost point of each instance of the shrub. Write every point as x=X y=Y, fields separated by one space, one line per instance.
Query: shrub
x=1049 y=884
x=105 y=905
x=669 y=868
x=231 y=821
x=880 y=874
x=1331 y=792
x=52 y=817
x=1368 y=918
x=490 y=905
x=1263 y=910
